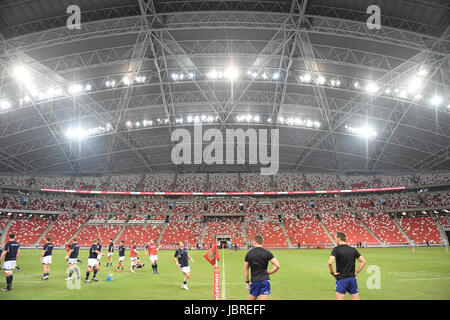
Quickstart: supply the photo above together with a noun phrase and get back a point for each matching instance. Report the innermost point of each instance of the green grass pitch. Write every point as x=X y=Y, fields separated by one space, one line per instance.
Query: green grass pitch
x=304 y=274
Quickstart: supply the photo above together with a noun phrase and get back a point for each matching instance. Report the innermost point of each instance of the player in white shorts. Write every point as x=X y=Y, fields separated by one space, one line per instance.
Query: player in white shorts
x=181 y=258
x=110 y=253
x=72 y=259
x=99 y=256
x=153 y=248
x=10 y=254
x=46 y=258
x=93 y=265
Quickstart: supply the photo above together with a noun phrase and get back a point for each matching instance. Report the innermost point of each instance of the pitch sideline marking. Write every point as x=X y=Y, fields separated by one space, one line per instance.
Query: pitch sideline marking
x=424 y=279
x=223 y=280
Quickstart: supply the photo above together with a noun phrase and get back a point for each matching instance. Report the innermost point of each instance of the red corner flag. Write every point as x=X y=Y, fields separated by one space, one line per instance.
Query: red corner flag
x=212 y=255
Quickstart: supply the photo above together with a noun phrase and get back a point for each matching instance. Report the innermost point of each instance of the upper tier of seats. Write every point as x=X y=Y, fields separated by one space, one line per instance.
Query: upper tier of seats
x=198 y=182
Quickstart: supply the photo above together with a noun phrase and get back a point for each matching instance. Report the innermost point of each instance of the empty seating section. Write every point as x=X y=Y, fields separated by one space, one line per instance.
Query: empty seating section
x=289 y=182
x=140 y=234
x=149 y=206
x=384 y=227
x=223 y=182
x=443 y=220
x=3 y=224
x=27 y=231
x=438 y=199
x=98 y=218
x=305 y=230
x=187 y=231
x=392 y=181
x=158 y=182
x=404 y=201
x=271 y=231
x=254 y=182
x=434 y=179
x=224 y=226
x=157 y=217
x=191 y=182
x=90 y=183
x=90 y=232
x=263 y=206
x=79 y=205
x=188 y=207
x=63 y=228
x=322 y=181
x=137 y=218
x=15 y=181
x=420 y=229
x=367 y=203
x=118 y=218
x=330 y=205
x=294 y=206
x=111 y=206
x=11 y=202
x=225 y=206
x=350 y=225
x=357 y=182
x=50 y=182
x=124 y=183
x=43 y=204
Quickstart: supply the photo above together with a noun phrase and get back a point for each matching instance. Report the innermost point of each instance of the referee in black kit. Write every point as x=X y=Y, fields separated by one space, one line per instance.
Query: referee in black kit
x=257 y=259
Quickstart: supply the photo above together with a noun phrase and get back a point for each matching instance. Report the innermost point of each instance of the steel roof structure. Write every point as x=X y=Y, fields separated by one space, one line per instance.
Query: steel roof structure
x=160 y=40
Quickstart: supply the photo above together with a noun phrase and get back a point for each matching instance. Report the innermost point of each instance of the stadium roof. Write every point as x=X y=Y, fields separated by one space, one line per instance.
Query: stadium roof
x=344 y=97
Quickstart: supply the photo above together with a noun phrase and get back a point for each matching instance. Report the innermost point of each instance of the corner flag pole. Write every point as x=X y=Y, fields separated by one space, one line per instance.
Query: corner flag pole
x=216 y=281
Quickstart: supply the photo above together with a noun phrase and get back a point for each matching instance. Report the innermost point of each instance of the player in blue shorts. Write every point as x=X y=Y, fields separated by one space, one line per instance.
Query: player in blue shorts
x=257 y=260
x=345 y=274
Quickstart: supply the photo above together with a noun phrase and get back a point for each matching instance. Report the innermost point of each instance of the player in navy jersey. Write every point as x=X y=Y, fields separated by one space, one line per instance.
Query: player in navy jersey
x=345 y=274
x=10 y=253
x=72 y=259
x=181 y=258
x=257 y=259
x=93 y=264
x=99 y=256
x=110 y=253
x=121 y=257
x=46 y=258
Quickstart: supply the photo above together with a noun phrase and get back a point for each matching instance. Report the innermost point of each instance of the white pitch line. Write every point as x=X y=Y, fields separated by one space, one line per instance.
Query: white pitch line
x=424 y=279
x=223 y=280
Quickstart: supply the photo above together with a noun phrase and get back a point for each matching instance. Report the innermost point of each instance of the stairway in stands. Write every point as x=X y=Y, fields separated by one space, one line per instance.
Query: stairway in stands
x=401 y=229
x=286 y=235
x=368 y=229
x=36 y=243
x=5 y=231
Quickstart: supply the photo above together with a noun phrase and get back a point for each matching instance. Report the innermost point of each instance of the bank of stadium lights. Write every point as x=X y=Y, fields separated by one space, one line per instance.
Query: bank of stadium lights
x=371 y=88
x=299 y=122
x=4 y=105
x=436 y=101
x=365 y=131
x=335 y=82
x=80 y=133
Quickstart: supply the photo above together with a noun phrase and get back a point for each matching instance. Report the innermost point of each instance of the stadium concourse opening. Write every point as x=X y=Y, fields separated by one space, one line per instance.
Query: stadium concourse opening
x=306 y=140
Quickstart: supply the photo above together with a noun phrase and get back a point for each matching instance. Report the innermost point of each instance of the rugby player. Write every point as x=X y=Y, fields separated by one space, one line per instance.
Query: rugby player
x=121 y=256
x=46 y=258
x=72 y=259
x=93 y=264
x=345 y=274
x=10 y=253
x=257 y=260
x=153 y=248
x=181 y=258
x=110 y=253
